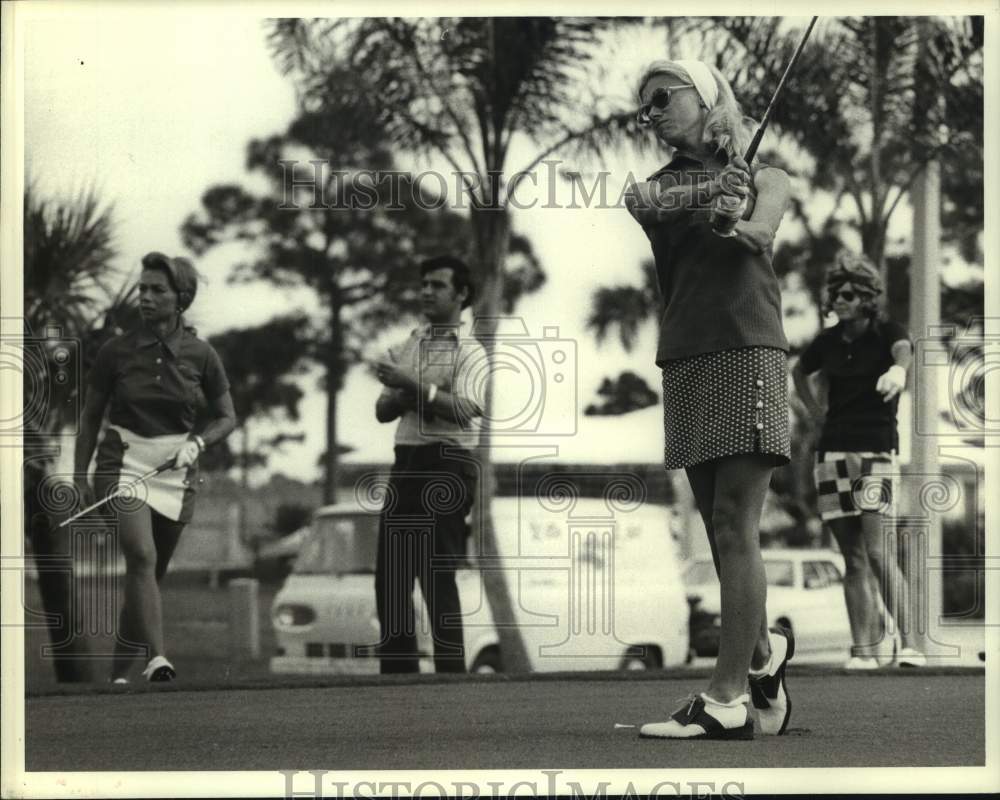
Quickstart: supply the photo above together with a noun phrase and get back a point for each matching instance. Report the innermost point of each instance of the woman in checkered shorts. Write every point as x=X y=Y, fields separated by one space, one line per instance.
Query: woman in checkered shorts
x=722 y=351
x=864 y=359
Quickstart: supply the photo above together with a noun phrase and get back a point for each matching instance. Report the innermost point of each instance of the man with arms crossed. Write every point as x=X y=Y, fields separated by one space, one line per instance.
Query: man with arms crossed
x=422 y=529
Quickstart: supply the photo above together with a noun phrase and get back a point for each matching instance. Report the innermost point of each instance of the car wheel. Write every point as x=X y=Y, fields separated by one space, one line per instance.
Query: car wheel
x=645 y=657
x=487 y=662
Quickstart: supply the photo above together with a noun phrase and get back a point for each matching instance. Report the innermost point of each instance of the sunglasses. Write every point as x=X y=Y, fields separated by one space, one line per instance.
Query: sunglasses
x=848 y=295
x=659 y=100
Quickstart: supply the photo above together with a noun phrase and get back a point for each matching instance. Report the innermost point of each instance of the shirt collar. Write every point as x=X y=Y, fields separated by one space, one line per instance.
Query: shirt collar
x=146 y=337
x=458 y=331
x=870 y=331
x=683 y=155
x=681 y=159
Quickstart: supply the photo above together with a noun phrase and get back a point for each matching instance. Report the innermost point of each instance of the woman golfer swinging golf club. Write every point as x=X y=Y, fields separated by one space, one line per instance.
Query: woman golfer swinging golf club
x=157 y=380
x=723 y=354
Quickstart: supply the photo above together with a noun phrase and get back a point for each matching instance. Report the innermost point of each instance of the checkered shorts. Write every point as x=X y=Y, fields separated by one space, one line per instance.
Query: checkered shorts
x=849 y=483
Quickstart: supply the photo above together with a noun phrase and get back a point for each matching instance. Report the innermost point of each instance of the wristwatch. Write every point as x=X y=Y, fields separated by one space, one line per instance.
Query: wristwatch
x=194 y=437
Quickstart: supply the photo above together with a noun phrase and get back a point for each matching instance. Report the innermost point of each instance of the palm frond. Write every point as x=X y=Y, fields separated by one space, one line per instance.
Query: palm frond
x=298 y=45
x=69 y=252
x=624 y=308
x=68 y=278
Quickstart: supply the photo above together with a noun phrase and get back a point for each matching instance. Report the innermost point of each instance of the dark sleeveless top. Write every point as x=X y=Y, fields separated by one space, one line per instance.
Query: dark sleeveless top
x=717 y=295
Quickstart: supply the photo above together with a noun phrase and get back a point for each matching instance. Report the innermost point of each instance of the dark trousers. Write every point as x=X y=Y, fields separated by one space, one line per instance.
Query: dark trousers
x=422 y=534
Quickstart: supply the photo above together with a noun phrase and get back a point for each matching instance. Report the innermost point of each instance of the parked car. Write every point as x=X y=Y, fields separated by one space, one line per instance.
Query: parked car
x=592 y=591
x=805 y=592
x=273 y=559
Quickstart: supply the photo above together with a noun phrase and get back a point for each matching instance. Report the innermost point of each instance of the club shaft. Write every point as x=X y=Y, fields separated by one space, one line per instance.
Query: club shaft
x=755 y=142
x=92 y=506
x=117 y=492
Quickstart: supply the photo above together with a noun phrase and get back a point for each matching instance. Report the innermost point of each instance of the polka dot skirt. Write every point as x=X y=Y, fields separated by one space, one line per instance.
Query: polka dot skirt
x=727 y=403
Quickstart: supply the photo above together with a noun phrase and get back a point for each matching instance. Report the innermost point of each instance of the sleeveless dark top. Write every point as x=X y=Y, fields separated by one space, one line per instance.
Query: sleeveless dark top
x=717 y=295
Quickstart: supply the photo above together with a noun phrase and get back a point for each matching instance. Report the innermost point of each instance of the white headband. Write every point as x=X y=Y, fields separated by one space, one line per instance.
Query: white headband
x=703 y=80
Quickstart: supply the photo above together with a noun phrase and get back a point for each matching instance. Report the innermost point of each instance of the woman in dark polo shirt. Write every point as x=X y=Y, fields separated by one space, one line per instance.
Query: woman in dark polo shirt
x=723 y=354
x=155 y=381
x=864 y=358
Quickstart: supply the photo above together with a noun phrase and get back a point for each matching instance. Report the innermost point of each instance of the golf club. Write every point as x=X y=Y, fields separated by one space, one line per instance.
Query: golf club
x=723 y=223
x=119 y=492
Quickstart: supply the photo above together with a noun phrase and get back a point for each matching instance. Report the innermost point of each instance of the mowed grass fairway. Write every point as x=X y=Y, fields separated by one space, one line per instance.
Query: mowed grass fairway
x=229 y=713
x=925 y=718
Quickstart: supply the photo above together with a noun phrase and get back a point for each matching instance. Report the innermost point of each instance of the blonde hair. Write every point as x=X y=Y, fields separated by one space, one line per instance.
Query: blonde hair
x=725 y=124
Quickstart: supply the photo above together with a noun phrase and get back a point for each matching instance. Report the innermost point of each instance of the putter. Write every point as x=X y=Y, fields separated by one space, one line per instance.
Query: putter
x=724 y=223
x=119 y=492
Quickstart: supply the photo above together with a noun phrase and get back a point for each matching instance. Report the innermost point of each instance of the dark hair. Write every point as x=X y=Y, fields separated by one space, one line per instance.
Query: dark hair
x=461 y=276
x=181 y=275
x=858 y=271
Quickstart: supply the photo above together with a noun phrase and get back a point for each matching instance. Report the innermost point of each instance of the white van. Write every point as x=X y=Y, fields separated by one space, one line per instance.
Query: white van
x=593 y=589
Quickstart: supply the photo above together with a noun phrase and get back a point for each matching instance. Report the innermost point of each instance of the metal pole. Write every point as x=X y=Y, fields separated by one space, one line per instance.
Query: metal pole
x=925 y=314
x=244 y=624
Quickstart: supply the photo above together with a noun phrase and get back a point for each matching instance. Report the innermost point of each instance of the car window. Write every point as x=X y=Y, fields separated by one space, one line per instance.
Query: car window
x=338 y=545
x=779 y=573
x=814 y=576
x=832 y=573
x=700 y=573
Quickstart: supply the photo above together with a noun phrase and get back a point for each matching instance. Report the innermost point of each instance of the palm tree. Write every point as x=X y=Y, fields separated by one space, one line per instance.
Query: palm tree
x=74 y=299
x=69 y=311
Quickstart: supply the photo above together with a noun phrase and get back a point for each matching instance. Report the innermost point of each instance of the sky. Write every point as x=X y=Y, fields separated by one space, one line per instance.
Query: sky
x=151 y=109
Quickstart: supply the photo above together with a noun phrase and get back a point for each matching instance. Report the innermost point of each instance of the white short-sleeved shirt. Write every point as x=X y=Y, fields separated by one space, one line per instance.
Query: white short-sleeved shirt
x=453 y=360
